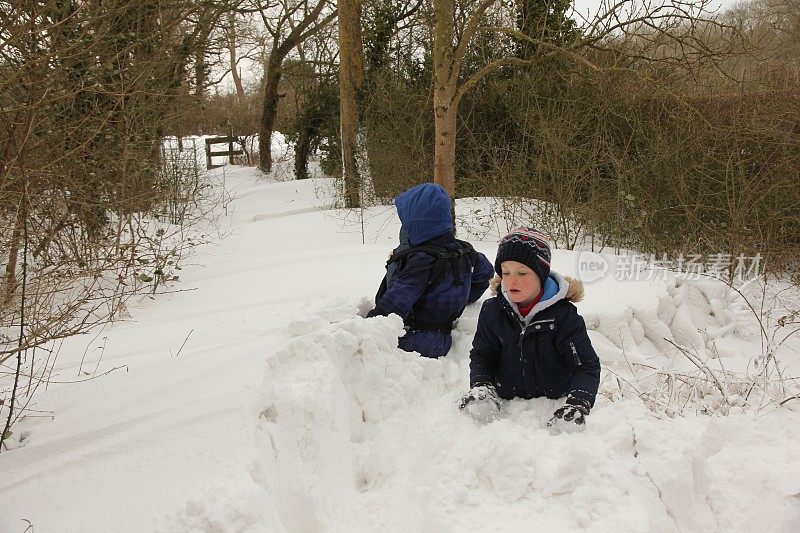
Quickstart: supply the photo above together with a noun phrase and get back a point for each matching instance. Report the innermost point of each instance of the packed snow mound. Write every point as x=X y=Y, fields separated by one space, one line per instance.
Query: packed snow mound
x=357 y=435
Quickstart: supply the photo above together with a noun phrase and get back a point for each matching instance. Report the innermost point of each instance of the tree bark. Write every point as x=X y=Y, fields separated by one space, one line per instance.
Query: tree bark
x=237 y=79
x=10 y=277
x=445 y=148
x=268 y=112
x=302 y=150
x=200 y=66
x=444 y=109
x=351 y=78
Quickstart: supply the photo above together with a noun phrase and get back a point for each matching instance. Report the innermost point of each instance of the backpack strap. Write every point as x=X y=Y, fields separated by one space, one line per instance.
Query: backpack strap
x=400 y=255
x=465 y=249
x=469 y=251
x=438 y=272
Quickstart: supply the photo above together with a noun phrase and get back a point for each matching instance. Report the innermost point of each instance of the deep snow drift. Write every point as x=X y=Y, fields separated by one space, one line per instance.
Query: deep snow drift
x=262 y=401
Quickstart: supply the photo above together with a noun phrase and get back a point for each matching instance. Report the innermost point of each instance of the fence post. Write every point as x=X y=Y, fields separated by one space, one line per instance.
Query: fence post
x=229 y=140
x=230 y=144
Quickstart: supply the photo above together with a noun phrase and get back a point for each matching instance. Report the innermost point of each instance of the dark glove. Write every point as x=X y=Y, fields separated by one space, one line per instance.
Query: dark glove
x=481 y=402
x=574 y=410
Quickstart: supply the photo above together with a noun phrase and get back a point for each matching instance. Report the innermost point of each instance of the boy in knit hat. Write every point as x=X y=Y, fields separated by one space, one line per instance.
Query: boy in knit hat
x=530 y=340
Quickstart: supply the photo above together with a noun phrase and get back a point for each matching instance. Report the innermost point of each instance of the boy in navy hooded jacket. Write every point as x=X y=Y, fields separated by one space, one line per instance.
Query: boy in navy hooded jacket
x=530 y=340
x=429 y=307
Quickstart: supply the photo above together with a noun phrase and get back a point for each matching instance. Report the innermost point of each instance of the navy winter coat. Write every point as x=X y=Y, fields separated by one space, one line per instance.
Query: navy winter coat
x=429 y=312
x=548 y=353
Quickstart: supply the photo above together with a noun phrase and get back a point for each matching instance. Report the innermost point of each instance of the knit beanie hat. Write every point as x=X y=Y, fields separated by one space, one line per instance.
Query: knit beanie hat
x=527 y=246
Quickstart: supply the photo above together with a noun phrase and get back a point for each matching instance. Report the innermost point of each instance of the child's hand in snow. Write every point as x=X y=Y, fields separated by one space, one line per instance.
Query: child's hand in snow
x=571 y=416
x=481 y=402
x=365 y=306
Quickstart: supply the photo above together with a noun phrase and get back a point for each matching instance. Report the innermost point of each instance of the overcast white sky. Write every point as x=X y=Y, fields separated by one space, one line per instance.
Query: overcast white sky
x=591 y=6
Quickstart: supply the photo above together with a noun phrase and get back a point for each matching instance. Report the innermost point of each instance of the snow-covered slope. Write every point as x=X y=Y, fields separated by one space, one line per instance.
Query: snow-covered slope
x=261 y=401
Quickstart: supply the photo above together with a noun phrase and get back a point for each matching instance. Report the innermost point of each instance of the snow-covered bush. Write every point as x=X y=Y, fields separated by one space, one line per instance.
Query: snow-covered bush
x=699 y=322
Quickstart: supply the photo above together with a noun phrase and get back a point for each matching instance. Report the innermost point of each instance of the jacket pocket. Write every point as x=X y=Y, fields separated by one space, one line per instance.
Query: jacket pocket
x=578 y=350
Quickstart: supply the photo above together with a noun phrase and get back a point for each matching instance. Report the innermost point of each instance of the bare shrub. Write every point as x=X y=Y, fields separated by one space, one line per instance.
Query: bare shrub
x=91 y=209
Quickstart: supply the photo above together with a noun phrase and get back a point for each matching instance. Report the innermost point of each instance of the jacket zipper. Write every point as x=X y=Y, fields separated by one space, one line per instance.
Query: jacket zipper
x=575 y=353
x=521 y=355
x=522 y=360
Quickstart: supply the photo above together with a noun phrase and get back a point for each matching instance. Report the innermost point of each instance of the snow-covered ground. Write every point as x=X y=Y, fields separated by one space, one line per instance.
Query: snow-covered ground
x=261 y=401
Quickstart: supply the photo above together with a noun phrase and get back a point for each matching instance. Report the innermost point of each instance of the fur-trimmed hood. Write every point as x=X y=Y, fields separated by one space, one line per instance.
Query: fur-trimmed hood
x=556 y=288
x=575 y=291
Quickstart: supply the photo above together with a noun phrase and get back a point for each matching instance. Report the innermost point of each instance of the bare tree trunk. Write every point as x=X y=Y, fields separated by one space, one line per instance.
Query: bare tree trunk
x=237 y=79
x=269 y=112
x=351 y=77
x=445 y=148
x=10 y=277
x=302 y=150
x=205 y=25
x=200 y=75
x=444 y=108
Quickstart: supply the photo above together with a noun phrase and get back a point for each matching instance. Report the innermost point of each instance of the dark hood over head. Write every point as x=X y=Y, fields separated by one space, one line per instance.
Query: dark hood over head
x=425 y=212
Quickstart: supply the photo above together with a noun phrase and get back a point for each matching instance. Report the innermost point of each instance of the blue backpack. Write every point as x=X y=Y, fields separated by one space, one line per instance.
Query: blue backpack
x=443 y=256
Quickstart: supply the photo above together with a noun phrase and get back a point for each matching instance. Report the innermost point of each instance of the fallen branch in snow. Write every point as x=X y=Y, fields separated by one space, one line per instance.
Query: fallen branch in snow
x=708 y=390
x=184 y=343
x=704 y=368
x=90 y=378
x=667 y=409
x=787 y=400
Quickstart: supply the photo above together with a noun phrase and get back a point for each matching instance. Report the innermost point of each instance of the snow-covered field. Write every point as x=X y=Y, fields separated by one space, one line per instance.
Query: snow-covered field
x=262 y=401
